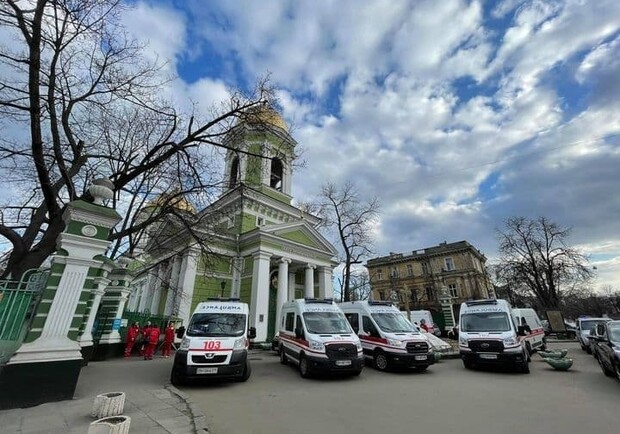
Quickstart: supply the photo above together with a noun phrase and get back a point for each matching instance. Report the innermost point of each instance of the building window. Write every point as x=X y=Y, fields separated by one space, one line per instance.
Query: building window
x=381 y=295
x=426 y=268
x=234 y=173
x=379 y=274
x=394 y=272
x=231 y=222
x=430 y=296
x=260 y=221
x=452 y=290
x=277 y=169
x=449 y=264
x=409 y=270
x=414 y=296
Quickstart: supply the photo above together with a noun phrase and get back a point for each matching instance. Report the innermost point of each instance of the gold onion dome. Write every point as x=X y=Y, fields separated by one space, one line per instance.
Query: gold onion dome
x=178 y=202
x=264 y=115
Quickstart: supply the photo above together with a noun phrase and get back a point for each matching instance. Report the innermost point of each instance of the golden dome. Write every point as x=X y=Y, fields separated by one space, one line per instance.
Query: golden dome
x=264 y=114
x=175 y=202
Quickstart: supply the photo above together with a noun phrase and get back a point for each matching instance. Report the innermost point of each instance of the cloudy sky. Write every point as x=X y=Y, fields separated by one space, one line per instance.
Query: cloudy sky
x=456 y=114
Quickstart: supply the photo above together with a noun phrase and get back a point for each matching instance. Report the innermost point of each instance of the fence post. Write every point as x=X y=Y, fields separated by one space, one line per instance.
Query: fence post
x=46 y=368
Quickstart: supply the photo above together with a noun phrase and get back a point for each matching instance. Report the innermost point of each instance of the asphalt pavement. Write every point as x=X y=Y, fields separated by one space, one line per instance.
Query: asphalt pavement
x=152 y=404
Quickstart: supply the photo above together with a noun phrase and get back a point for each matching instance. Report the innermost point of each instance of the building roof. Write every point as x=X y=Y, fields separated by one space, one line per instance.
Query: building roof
x=264 y=115
x=441 y=249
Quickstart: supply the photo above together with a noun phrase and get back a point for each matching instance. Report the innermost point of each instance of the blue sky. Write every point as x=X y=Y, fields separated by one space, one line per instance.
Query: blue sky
x=456 y=114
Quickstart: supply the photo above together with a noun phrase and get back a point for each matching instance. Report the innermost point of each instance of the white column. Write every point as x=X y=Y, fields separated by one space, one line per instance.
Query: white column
x=114 y=336
x=235 y=290
x=282 y=287
x=173 y=288
x=309 y=282
x=86 y=338
x=185 y=294
x=147 y=291
x=259 y=305
x=291 y=285
x=157 y=288
x=326 y=288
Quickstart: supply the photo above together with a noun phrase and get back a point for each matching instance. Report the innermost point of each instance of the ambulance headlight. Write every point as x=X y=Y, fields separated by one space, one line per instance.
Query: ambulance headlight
x=462 y=341
x=511 y=341
x=317 y=346
x=239 y=344
x=358 y=344
x=184 y=344
x=396 y=343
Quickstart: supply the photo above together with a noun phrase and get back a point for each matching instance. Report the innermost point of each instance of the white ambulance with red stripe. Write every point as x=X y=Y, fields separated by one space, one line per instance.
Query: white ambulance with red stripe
x=535 y=333
x=215 y=343
x=315 y=335
x=489 y=335
x=388 y=339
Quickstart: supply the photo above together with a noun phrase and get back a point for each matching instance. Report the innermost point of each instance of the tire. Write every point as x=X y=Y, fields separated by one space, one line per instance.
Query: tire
x=617 y=371
x=176 y=379
x=421 y=368
x=356 y=373
x=247 y=371
x=283 y=358
x=583 y=347
x=524 y=367
x=528 y=350
x=468 y=364
x=380 y=361
x=606 y=371
x=588 y=350
x=304 y=369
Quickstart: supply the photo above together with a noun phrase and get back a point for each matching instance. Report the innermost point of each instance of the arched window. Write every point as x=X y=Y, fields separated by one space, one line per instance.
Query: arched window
x=276 y=174
x=234 y=172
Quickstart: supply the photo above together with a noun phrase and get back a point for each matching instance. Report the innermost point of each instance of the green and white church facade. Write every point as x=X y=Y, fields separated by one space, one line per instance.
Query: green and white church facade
x=265 y=250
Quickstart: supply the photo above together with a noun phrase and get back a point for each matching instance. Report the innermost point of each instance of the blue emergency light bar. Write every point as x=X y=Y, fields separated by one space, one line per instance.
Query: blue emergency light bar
x=222 y=299
x=481 y=302
x=380 y=303
x=319 y=300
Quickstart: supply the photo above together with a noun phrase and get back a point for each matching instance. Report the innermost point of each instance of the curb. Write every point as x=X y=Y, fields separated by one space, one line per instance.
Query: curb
x=198 y=417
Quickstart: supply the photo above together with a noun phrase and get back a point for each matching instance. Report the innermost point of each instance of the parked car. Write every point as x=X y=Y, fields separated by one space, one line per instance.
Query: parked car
x=584 y=325
x=607 y=348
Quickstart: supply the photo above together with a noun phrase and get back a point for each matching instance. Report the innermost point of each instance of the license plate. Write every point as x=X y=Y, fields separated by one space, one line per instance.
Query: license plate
x=343 y=363
x=420 y=357
x=488 y=356
x=206 y=371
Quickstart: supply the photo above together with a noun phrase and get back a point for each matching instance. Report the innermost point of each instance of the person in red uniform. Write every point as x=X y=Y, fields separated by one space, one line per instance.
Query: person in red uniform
x=132 y=335
x=145 y=338
x=424 y=325
x=168 y=340
x=152 y=339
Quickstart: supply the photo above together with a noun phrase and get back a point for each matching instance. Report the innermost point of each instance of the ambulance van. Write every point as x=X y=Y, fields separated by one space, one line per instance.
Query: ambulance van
x=388 y=339
x=315 y=336
x=488 y=335
x=215 y=343
x=535 y=333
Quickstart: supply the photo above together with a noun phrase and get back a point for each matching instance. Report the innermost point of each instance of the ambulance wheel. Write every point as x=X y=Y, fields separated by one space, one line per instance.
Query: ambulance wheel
x=380 y=361
x=468 y=364
x=524 y=368
x=247 y=371
x=304 y=370
x=176 y=379
x=421 y=368
x=283 y=358
x=528 y=350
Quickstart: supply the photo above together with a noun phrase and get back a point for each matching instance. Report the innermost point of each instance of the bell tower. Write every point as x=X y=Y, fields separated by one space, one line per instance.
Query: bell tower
x=261 y=153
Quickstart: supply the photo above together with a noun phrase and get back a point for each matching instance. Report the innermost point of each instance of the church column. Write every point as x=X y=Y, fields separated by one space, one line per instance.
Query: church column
x=259 y=304
x=235 y=290
x=309 y=282
x=282 y=287
x=187 y=279
x=326 y=289
x=287 y=176
x=173 y=287
x=291 y=285
x=158 y=288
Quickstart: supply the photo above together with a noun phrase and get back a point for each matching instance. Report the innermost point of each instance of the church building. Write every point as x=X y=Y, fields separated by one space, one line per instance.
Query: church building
x=265 y=251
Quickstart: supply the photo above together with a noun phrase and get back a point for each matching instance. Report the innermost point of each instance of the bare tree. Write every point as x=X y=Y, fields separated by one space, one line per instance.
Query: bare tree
x=352 y=221
x=79 y=100
x=534 y=256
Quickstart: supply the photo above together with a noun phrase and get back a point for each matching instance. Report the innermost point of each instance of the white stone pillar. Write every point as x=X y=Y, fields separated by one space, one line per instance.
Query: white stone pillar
x=114 y=337
x=86 y=338
x=326 y=287
x=259 y=305
x=309 y=282
x=282 y=293
x=157 y=288
x=173 y=288
x=187 y=280
x=237 y=269
x=291 y=285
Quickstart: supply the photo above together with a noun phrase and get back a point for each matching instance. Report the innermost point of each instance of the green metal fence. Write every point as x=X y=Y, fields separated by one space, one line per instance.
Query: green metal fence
x=18 y=303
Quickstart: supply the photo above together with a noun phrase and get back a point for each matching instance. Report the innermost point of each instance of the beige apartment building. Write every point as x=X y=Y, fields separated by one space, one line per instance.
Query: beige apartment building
x=419 y=278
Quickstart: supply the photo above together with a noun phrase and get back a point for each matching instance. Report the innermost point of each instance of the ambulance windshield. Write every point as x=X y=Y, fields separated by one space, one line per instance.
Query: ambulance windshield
x=326 y=323
x=216 y=324
x=393 y=323
x=485 y=322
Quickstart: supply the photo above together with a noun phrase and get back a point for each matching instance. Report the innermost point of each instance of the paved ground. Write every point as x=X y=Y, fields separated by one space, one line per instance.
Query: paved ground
x=152 y=407
x=445 y=399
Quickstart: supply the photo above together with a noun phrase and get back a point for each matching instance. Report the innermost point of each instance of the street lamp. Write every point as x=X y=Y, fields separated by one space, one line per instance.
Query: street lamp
x=222 y=285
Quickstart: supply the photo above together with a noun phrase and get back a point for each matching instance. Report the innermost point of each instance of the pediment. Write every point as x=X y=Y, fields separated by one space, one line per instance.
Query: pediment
x=301 y=233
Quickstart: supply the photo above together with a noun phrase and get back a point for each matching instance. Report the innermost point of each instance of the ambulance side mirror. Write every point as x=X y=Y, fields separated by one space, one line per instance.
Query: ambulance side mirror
x=180 y=332
x=251 y=332
x=521 y=331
